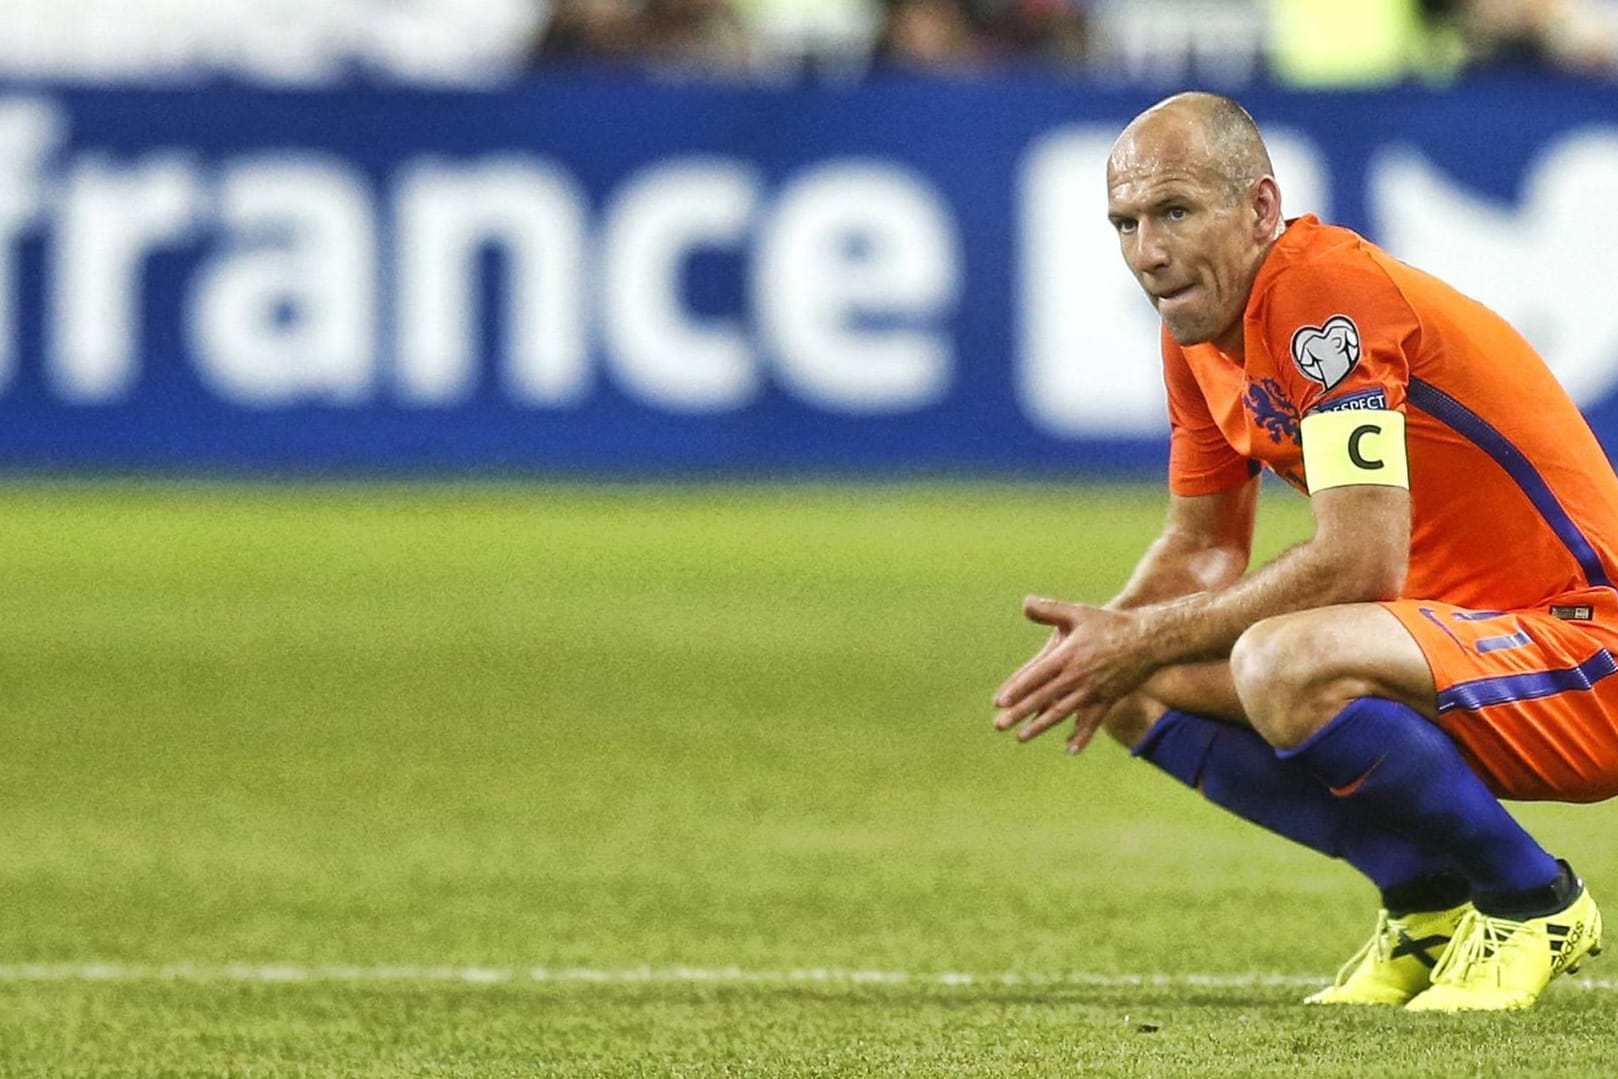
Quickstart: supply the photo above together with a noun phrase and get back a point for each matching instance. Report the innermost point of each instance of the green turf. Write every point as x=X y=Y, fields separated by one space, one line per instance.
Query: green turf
x=517 y=726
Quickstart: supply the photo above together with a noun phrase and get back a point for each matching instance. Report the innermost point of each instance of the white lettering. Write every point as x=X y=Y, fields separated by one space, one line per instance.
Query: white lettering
x=287 y=313
x=535 y=216
x=858 y=266
x=111 y=219
x=658 y=351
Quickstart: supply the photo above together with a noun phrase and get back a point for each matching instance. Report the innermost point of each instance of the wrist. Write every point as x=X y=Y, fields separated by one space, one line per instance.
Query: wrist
x=1164 y=631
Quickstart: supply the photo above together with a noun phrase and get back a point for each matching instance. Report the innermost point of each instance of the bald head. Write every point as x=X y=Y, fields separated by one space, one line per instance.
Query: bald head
x=1207 y=133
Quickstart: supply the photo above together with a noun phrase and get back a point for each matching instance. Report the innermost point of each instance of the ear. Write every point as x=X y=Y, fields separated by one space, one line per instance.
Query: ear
x=1266 y=208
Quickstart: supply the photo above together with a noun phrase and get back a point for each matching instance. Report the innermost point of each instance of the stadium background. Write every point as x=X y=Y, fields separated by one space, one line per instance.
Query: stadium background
x=514 y=511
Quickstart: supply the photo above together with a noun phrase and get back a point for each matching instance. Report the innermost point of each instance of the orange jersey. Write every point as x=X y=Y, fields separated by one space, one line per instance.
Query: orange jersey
x=1513 y=501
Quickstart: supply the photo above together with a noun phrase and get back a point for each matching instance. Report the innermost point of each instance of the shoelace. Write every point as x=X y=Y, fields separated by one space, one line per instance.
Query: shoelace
x=1477 y=938
x=1380 y=943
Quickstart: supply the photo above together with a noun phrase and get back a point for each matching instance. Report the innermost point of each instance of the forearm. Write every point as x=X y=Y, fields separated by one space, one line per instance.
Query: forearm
x=1205 y=546
x=1175 y=567
x=1205 y=625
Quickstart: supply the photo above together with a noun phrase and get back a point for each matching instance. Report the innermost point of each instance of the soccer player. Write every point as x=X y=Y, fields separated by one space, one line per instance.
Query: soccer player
x=1447 y=636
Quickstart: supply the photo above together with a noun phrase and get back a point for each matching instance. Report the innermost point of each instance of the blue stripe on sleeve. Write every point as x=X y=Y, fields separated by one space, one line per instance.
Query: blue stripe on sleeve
x=1444 y=408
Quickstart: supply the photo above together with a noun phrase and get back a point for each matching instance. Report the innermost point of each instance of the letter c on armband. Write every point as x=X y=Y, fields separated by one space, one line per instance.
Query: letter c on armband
x=1341 y=449
x=1354 y=454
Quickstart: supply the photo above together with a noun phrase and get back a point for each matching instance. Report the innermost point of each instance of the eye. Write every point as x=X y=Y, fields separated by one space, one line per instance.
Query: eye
x=1123 y=224
x=1178 y=213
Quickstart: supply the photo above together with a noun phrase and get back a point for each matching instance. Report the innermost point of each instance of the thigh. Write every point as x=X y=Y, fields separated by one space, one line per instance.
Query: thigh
x=1296 y=671
x=1527 y=695
x=1333 y=653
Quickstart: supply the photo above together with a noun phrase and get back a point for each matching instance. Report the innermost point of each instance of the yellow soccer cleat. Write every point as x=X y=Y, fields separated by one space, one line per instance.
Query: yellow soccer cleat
x=1496 y=964
x=1397 y=962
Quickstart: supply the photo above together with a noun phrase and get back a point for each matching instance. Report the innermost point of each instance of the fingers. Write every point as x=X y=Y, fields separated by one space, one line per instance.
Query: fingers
x=1002 y=696
x=1087 y=717
x=1048 y=612
x=1028 y=705
x=1084 y=729
x=1029 y=691
x=1044 y=692
x=1052 y=715
x=1049 y=708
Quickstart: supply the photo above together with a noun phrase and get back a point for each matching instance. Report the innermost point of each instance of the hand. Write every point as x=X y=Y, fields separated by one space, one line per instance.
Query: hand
x=1093 y=659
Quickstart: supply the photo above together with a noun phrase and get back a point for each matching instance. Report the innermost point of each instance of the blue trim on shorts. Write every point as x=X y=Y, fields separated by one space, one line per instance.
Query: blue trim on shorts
x=1450 y=412
x=1503 y=689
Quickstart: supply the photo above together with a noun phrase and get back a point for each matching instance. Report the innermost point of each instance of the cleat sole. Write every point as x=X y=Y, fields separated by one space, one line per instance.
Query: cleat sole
x=1591 y=954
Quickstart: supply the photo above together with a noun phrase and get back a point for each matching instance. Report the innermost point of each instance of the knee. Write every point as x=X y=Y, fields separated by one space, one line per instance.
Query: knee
x=1283 y=672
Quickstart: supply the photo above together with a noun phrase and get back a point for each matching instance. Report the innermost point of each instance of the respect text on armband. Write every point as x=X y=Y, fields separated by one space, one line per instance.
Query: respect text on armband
x=1355 y=402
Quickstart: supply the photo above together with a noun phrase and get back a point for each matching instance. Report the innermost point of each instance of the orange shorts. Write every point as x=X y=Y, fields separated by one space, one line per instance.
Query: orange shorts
x=1529 y=696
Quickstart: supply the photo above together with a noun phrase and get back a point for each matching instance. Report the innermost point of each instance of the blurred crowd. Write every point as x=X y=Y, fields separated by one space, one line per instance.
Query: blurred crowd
x=1315 y=43
x=1300 y=43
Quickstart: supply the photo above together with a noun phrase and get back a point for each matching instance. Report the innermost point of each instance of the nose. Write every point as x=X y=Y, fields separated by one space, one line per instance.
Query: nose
x=1149 y=253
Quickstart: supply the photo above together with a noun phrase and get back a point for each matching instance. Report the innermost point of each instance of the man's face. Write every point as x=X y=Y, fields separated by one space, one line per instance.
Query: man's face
x=1191 y=248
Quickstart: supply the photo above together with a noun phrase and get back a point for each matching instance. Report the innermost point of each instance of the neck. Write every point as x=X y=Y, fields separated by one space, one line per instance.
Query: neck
x=1231 y=341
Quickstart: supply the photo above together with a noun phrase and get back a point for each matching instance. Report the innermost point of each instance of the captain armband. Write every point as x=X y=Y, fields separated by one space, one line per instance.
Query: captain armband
x=1350 y=447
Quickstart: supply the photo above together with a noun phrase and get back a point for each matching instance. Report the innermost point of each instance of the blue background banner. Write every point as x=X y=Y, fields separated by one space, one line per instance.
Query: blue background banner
x=582 y=276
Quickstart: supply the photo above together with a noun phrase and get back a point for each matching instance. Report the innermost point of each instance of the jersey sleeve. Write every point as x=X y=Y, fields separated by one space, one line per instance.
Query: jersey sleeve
x=1201 y=460
x=1341 y=333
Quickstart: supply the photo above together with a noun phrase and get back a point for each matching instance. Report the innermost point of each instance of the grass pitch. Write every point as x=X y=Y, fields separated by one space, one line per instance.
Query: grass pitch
x=528 y=780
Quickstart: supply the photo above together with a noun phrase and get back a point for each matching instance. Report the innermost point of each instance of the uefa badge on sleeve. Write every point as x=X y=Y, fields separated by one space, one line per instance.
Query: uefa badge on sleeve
x=1328 y=352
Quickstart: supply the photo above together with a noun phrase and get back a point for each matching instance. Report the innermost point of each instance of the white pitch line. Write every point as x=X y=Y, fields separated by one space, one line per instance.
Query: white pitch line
x=293 y=973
